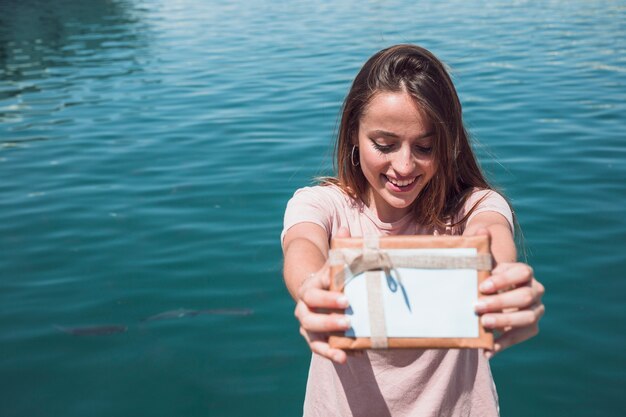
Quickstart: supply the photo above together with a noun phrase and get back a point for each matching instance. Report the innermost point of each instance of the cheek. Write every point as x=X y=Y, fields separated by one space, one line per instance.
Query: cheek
x=429 y=169
x=429 y=166
x=433 y=168
x=372 y=160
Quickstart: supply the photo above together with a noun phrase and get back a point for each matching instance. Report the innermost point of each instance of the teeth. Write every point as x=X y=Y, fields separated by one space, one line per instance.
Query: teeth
x=402 y=183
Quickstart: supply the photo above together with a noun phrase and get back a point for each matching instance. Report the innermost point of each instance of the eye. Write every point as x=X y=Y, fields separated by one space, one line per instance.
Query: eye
x=426 y=150
x=382 y=148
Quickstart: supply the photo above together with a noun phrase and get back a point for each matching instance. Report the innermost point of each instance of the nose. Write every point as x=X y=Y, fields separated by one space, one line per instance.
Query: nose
x=404 y=163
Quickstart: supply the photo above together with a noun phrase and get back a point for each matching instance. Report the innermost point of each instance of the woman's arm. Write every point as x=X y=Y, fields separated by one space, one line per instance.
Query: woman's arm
x=307 y=277
x=305 y=249
x=512 y=301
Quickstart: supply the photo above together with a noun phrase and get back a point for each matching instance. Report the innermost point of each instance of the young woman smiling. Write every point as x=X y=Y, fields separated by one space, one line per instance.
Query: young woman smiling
x=404 y=166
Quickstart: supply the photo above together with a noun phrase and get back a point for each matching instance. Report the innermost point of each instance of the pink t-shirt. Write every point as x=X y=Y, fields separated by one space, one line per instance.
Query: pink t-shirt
x=400 y=382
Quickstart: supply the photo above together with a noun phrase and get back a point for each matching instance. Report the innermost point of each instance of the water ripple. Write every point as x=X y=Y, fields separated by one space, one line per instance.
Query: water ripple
x=148 y=148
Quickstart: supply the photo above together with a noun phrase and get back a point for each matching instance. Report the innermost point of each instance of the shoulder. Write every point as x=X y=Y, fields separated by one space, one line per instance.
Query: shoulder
x=484 y=200
x=485 y=196
x=324 y=205
x=319 y=190
x=325 y=196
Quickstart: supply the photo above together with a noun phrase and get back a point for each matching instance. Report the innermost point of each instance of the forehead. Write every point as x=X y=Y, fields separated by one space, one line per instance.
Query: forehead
x=395 y=112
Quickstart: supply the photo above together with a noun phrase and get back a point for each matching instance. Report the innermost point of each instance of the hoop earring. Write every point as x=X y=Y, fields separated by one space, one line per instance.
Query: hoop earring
x=354 y=164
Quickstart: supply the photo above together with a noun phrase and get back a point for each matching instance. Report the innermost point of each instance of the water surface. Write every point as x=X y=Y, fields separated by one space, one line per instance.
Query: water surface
x=148 y=148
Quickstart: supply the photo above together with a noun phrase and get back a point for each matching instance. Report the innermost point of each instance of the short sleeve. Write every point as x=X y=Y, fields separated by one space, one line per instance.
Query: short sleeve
x=308 y=204
x=489 y=200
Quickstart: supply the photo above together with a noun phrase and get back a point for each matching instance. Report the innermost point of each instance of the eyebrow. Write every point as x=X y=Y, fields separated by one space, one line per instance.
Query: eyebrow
x=393 y=135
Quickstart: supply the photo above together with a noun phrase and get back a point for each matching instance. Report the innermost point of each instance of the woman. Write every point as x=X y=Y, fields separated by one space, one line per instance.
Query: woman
x=404 y=166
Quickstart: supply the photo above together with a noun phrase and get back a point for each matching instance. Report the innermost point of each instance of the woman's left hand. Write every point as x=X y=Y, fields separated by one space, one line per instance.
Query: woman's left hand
x=511 y=304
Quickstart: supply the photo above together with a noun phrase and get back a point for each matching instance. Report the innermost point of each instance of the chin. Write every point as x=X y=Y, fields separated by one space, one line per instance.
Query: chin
x=400 y=204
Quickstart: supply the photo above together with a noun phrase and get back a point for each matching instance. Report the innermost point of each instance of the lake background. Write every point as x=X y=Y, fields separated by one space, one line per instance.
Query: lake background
x=148 y=149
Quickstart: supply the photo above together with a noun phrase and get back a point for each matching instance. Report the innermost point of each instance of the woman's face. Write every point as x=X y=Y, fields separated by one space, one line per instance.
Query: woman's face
x=395 y=142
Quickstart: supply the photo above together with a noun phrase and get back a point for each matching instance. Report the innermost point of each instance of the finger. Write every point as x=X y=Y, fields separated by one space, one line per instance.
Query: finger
x=504 y=267
x=538 y=288
x=322 y=348
x=318 y=298
x=522 y=318
x=311 y=337
x=318 y=343
x=305 y=335
x=518 y=298
x=514 y=337
x=315 y=322
x=506 y=276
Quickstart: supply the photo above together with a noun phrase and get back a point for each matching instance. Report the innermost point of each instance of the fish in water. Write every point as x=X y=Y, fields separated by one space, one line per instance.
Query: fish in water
x=93 y=330
x=182 y=312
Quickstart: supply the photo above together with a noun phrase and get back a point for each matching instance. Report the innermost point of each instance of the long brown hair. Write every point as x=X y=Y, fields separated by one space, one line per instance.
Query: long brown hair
x=419 y=73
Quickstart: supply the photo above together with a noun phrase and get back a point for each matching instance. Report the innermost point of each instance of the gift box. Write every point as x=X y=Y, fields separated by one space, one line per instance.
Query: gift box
x=411 y=291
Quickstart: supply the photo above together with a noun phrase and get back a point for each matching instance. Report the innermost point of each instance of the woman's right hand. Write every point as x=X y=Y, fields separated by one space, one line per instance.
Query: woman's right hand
x=316 y=323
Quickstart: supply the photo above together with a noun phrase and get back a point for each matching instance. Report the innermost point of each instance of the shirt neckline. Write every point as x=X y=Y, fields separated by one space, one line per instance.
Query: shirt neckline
x=381 y=224
x=363 y=208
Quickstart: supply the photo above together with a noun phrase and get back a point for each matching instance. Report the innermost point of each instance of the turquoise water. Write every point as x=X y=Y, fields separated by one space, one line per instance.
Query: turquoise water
x=148 y=148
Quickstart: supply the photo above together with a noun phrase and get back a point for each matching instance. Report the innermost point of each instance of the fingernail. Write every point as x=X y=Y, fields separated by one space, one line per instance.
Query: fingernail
x=486 y=285
x=488 y=321
x=343 y=322
x=480 y=306
x=488 y=354
x=342 y=301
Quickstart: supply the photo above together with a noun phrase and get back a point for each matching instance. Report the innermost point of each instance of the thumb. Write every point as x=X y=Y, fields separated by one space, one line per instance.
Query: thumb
x=343 y=232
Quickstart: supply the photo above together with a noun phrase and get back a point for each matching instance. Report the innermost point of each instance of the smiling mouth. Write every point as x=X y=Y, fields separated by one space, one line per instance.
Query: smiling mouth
x=402 y=184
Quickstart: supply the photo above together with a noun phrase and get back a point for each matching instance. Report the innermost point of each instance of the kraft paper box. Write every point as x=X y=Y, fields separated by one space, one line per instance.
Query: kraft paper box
x=411 y=291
